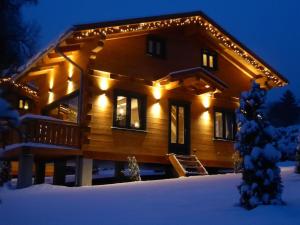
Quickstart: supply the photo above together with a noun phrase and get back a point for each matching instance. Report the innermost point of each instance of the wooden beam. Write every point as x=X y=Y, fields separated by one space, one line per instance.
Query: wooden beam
x=52 y=55
x=70 y=48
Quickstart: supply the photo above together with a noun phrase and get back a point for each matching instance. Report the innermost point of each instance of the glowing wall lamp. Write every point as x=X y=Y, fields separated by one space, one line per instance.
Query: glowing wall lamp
x=206 y=100
x=103 y=80
x=103 y=83
x=157 y=91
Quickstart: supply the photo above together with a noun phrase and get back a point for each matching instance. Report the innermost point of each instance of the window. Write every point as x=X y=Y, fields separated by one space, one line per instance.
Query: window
x=156 y=47
x=23 y=104
x=209 y=59
x=64 y=109
x=129 y=111
x=225 y=126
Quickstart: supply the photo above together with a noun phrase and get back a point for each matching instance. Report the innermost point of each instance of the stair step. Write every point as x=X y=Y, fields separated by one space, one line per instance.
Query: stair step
x=185 y=157
x=188 y=162
x=193 y=174
x=187 y=165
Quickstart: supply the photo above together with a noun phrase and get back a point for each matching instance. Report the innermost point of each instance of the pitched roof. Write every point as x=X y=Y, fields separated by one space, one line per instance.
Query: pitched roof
x=154 y=22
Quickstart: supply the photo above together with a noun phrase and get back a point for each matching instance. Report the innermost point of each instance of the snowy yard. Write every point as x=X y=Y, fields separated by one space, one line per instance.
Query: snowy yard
x=209 y=200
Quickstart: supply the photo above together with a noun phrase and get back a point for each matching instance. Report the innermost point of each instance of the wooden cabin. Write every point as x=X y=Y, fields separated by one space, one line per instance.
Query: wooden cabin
x=163 y=89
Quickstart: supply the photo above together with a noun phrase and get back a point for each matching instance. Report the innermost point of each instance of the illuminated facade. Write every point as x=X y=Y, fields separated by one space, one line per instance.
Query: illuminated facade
x=152 y=88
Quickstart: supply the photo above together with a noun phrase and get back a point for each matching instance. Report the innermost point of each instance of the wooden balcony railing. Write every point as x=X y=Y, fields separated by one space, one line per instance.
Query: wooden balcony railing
x=44 y=130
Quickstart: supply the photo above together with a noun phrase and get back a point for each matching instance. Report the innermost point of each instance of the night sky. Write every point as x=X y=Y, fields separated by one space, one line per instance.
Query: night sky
x=268 y=27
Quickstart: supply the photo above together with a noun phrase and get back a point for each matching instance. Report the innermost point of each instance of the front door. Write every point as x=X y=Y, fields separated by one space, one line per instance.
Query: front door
x=179 y=127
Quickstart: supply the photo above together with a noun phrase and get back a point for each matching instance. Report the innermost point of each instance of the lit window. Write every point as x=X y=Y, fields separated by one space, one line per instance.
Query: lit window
x=225 y=126
x=204 y=59
x=129 y=111
x=156 y=47
x=23 y=104
x=209 y=59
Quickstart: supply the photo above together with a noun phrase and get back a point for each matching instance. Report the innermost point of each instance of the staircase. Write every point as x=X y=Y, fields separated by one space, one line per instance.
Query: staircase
x=187 y=165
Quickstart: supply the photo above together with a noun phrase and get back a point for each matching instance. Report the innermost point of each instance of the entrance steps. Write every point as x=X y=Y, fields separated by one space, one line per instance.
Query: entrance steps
x=187 y=165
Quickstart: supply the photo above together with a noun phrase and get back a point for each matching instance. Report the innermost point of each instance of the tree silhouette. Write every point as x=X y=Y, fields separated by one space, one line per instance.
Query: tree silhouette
x=17 y=38
x=284 y=112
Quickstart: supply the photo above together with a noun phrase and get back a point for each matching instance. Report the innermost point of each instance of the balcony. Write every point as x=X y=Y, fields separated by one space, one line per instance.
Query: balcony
x=41 y=132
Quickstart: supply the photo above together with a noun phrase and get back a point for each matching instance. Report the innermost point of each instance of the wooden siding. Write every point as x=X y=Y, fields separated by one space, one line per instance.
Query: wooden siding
x=126 y=55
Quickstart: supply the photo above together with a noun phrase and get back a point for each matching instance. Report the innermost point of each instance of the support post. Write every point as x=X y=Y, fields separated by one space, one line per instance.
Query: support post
x=40 y=168
x=84 y=171
x=59 y=175
x=25 y=169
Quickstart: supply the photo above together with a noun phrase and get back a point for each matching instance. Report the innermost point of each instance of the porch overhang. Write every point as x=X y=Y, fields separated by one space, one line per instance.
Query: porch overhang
x=197 y=80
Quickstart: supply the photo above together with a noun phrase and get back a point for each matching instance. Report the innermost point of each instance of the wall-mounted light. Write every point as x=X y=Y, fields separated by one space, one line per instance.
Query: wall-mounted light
x=157 y=91
x=69 y=79
x=206 y=100
x=103 y=83
x=50 y=90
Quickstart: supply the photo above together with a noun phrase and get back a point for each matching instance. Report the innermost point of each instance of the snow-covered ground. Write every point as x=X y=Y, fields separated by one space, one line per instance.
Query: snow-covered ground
x=208 y=200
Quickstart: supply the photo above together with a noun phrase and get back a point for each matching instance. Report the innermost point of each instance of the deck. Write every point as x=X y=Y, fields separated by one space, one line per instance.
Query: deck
x=44 y=136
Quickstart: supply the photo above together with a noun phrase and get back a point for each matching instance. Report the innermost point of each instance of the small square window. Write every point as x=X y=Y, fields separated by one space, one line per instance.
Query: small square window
x=129 y=111
x=225 y=125
x=209 y=59
x=156 y=47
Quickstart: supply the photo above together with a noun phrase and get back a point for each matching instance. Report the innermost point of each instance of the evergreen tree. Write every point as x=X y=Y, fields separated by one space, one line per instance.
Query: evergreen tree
x=17 y=39
x=133 y=167
x=284 y=112
x=255 y=142
x=9 y=119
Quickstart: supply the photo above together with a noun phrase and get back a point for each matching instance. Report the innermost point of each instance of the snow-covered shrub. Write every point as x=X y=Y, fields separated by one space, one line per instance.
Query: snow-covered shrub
x=133 y=168
x=257 y=146
x=237 y=162
x=288 y=141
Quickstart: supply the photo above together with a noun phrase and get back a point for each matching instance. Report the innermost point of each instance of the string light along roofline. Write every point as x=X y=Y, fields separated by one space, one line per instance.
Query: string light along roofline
x=183 y=21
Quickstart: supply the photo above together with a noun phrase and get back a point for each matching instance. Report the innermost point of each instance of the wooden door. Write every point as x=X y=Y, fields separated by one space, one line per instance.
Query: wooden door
x=179 y=127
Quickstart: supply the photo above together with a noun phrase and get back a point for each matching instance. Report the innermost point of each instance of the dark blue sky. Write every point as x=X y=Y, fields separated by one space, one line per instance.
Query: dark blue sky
x=268 y=27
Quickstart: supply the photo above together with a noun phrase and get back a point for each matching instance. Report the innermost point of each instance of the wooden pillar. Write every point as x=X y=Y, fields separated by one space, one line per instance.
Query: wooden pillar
x=59 y=175
x=25 y=169
x=119 y=170
x=40 y=167
x=84 y=171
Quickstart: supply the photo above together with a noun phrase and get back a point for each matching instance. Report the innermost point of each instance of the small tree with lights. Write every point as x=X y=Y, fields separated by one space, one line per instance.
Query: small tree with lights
x=256 y=144
x=133 y=167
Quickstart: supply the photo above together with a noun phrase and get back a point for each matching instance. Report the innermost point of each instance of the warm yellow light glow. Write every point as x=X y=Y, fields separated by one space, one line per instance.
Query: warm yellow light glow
x=205 y=118
x=156 y=110
x=207 y=86
x=26 y=106
x=70 y=71
x=157 y=91
x=103 y=83
x=102 y=101
x=206 y=100
x=50 y=97
x=70 y=87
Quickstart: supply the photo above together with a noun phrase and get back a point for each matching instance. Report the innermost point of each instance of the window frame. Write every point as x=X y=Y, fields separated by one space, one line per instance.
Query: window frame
x=155 y=40
x=143 y=109
x=225 y=113
x=209 y=53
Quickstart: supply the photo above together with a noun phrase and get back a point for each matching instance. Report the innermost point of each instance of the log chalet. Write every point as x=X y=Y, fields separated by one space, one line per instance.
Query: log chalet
x=163 y=89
